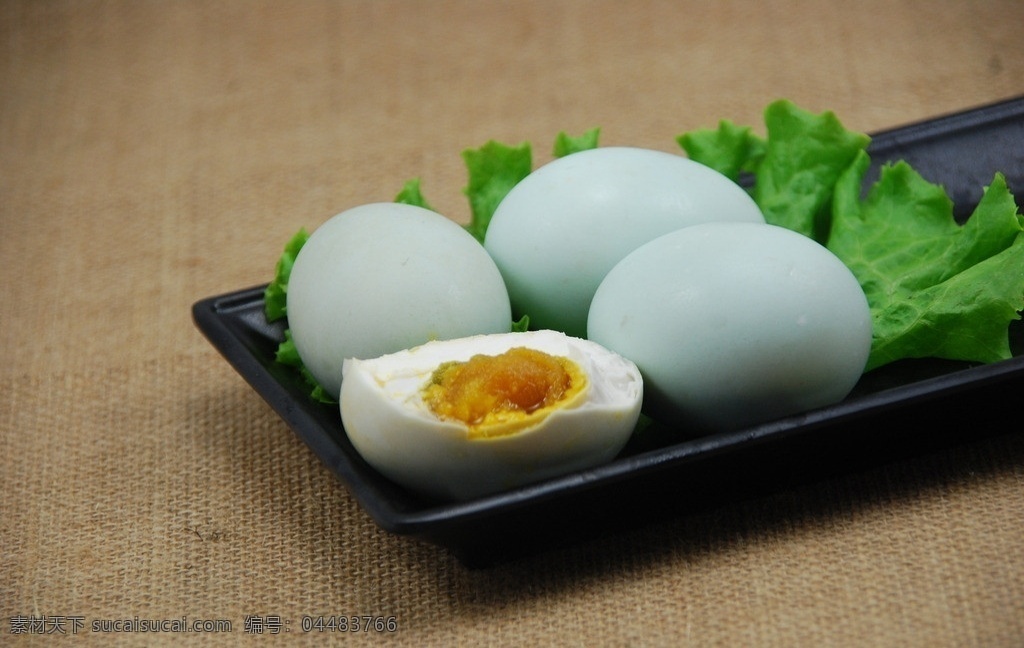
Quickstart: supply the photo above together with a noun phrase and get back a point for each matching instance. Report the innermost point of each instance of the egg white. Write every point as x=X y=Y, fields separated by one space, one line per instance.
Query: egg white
x=388 y=423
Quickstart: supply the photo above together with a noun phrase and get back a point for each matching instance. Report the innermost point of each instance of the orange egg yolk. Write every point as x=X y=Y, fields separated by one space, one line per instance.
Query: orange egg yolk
x=502 y=394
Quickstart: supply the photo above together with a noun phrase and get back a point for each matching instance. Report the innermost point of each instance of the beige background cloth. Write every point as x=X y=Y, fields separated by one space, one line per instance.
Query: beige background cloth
x=155 y=153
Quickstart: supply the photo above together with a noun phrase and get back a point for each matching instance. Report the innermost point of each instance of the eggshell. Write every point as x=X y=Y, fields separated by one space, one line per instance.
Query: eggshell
x=393 y=430
x=562 y=228
x=386 y=276
x=733 y=324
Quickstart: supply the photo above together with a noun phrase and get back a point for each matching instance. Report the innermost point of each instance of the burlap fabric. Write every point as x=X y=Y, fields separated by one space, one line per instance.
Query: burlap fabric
x=154 y=153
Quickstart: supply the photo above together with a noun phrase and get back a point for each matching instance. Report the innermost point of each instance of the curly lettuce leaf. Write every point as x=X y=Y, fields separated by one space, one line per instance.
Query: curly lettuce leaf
x=936 y=288
x=411 y=194
x=796 y=166
x=275 y=307
x=521 y=325
x=729 y=149
x=566 y=144
x=964 y=318
x=275 y=295
x=804 y=157
x=494 y=169
x=288 y=355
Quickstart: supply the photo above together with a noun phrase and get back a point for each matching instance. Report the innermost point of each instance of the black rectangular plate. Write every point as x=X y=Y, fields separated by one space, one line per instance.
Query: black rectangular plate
x=900 y=410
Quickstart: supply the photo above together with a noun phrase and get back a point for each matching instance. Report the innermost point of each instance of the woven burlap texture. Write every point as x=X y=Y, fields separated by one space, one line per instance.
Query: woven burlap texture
x=152 y=154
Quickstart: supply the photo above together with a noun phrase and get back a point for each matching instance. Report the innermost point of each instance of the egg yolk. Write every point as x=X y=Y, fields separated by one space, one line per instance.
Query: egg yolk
x=502 y=394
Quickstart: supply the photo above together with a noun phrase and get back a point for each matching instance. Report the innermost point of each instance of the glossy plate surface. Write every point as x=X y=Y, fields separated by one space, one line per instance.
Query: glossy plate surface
x=906 y=408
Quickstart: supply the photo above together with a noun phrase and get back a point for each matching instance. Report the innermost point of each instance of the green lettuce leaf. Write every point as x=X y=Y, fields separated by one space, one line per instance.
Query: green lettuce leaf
x=796 y=166
x=288 y=355
x=730 y=149
x=804 y=157
x=936 y=288
x=275 y=302
x=275 y=295
x=412 y=195
x=493 y=170
x=566 y=144
x=963 y=318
